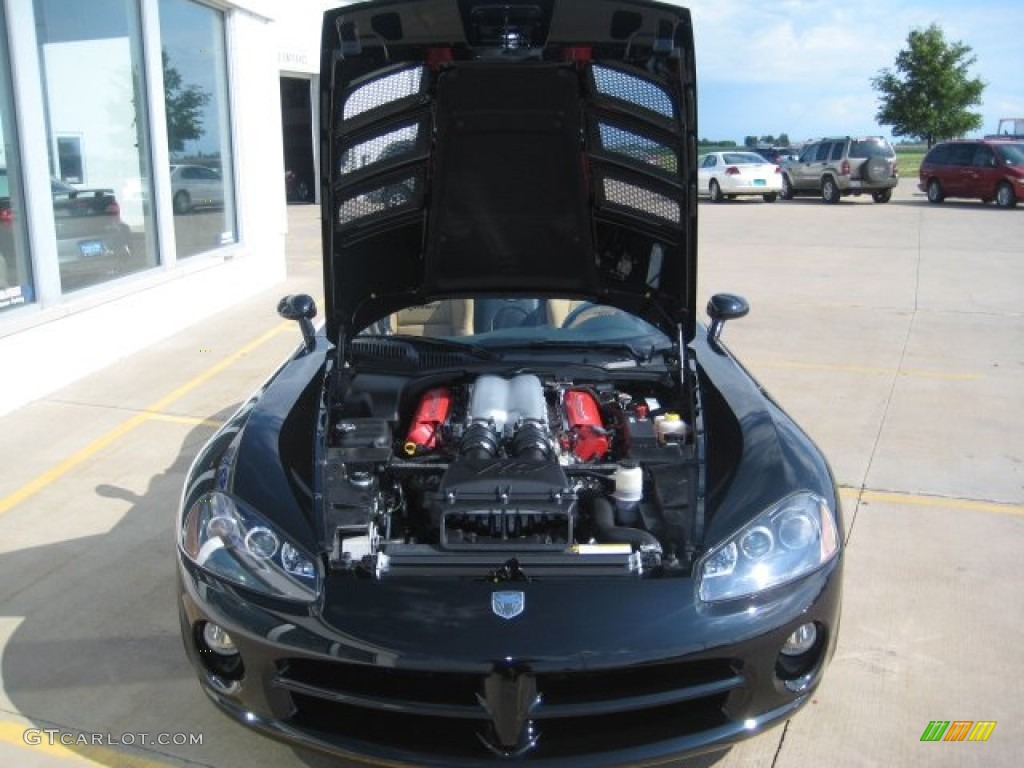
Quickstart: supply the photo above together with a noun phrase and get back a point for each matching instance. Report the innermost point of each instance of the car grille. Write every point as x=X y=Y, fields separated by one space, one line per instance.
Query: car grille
x=581 y=712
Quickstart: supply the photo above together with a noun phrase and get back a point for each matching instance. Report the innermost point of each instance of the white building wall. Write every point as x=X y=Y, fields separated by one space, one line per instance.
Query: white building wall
x=61 y=339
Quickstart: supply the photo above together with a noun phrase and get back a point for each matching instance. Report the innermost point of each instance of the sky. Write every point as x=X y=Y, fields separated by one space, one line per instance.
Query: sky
x=804 y=67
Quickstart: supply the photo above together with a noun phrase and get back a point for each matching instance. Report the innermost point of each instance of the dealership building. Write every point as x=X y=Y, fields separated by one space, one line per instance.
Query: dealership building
x=142 y=182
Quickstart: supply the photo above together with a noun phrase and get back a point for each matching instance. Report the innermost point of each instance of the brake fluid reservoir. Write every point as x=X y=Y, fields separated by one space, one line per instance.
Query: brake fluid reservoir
x=670 y=428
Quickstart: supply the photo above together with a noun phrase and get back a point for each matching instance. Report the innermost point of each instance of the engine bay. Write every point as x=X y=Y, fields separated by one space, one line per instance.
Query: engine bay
x=524 y=471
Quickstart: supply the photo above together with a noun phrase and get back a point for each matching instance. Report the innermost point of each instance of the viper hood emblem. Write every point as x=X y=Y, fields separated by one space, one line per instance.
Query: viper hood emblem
x=508 y=603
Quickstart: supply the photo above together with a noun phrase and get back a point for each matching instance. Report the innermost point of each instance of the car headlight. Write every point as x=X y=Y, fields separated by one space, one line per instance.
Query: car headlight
x=788 y=540
x=224 y=536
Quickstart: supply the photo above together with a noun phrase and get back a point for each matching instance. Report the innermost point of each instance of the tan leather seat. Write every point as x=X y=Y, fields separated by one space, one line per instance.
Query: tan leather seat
x=559 y=309
x=449 y=317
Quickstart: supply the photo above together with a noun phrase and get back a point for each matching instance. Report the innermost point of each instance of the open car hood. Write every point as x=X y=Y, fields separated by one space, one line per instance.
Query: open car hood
x=541 y=148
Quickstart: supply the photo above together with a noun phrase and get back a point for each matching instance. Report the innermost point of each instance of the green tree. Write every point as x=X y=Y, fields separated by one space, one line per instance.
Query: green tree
x=783 y=140
x=928 y=93
x=750 y=141
x=185 y=105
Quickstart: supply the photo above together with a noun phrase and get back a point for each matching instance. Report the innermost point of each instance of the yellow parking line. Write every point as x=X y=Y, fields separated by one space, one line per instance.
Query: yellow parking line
x=942 y=502
x=87 y=755
x=917 y=373
x=193 y=421
x=154 y=410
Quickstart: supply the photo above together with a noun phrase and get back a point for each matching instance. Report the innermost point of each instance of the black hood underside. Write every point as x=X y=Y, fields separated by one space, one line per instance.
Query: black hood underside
x=540 y=149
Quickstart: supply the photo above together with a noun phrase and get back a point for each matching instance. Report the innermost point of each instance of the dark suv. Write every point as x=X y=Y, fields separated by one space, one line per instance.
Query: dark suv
x=838 y=167
x=989 y=169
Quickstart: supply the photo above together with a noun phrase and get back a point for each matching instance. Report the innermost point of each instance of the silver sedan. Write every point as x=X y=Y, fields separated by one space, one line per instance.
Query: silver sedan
x=722 y=175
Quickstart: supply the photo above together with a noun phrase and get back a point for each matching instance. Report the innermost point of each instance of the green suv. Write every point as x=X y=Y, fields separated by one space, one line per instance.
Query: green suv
x=838 y=167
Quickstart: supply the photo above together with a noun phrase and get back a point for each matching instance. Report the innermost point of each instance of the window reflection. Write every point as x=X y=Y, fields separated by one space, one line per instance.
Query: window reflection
x=198 y=126
x=15 y=269
x=93 y=82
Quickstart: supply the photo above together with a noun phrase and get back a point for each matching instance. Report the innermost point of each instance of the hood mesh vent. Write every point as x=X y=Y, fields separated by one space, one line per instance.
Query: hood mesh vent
x=626 y=87
x=394 y=197
x=639 y=149
x=393 y=146
x=639 y=200
x=383 y=91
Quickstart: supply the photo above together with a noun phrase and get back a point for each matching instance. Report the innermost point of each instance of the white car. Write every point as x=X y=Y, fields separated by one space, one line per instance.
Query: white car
x=196 y=186
x=727 y=174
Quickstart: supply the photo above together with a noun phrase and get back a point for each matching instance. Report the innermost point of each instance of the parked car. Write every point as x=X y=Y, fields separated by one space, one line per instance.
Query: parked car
x=92 y=240
x=722 y=175
x=987 y=169
x=837 y=167
x=777 y=155
x=570 y=528
x=196 y=186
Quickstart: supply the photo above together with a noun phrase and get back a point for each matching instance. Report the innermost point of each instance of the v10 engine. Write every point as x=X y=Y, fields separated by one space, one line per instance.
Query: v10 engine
x=510 y=464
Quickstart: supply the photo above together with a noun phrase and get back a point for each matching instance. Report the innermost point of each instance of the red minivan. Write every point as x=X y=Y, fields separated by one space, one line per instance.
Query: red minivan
x=989 y=169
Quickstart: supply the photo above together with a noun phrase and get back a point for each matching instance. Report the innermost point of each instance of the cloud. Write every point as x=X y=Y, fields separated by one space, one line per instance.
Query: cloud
x=805 y=66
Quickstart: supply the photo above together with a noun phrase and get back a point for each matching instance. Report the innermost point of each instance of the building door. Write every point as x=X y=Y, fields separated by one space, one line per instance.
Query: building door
x=299 y=162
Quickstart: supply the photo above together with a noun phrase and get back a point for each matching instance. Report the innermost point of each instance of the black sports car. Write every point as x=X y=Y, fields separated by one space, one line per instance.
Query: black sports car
x=511 y=500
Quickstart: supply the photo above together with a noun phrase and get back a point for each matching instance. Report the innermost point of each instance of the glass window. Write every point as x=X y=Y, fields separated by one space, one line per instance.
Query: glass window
x=983 y=157
x=1012 y=154
x=864 y=148
x=938 y=155
x=961 y=154
x=837 y=151
x=198 y=126
x=16 y=286
x=823 y=149
x=97 y=133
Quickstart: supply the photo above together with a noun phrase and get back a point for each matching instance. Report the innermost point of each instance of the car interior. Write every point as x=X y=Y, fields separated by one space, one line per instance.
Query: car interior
x=465 y=317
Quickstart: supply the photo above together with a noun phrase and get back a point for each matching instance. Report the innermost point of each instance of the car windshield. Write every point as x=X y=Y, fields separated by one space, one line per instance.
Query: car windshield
x=740 y=158
x=1013 y=154
x=498 y=324
x=870 y=148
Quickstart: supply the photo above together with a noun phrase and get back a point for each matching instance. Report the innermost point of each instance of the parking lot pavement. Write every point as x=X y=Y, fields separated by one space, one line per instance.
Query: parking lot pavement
x=892 y=332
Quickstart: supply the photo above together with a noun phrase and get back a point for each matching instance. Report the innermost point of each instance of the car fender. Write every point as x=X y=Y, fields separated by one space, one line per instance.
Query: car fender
x=263 y=453
x=757 y=453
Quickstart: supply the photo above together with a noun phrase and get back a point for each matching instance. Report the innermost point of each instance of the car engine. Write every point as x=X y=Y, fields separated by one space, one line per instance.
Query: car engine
x=559 y=475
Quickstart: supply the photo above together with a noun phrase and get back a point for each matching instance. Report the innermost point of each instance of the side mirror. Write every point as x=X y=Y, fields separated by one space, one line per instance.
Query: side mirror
x=722 y=307
x=301 y=308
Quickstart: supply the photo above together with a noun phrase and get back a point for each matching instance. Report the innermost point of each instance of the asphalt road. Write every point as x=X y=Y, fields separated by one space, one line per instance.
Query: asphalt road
x=894 y=334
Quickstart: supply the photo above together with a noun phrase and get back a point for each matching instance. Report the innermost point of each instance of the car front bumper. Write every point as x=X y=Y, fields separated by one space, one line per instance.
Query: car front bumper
x=433 y=681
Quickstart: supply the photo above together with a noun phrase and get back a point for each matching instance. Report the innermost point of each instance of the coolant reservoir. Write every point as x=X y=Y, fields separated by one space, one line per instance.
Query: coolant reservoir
x=670 y=428
x=629 y=489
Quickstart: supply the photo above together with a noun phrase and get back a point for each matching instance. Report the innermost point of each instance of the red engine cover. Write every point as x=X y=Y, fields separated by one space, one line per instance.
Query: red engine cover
x=430 y=415
x=590 y=440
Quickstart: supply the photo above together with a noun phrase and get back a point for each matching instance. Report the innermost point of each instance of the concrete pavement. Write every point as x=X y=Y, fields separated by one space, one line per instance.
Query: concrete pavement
x=892 y=332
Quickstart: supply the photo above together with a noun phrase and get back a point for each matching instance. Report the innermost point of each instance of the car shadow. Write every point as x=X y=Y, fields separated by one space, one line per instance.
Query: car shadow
x=95 y=647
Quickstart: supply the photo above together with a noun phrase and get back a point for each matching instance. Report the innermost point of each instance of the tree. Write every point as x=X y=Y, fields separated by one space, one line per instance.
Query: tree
x=929 y=93
x=783 y=140
x=750 y=141
x=184 y=104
